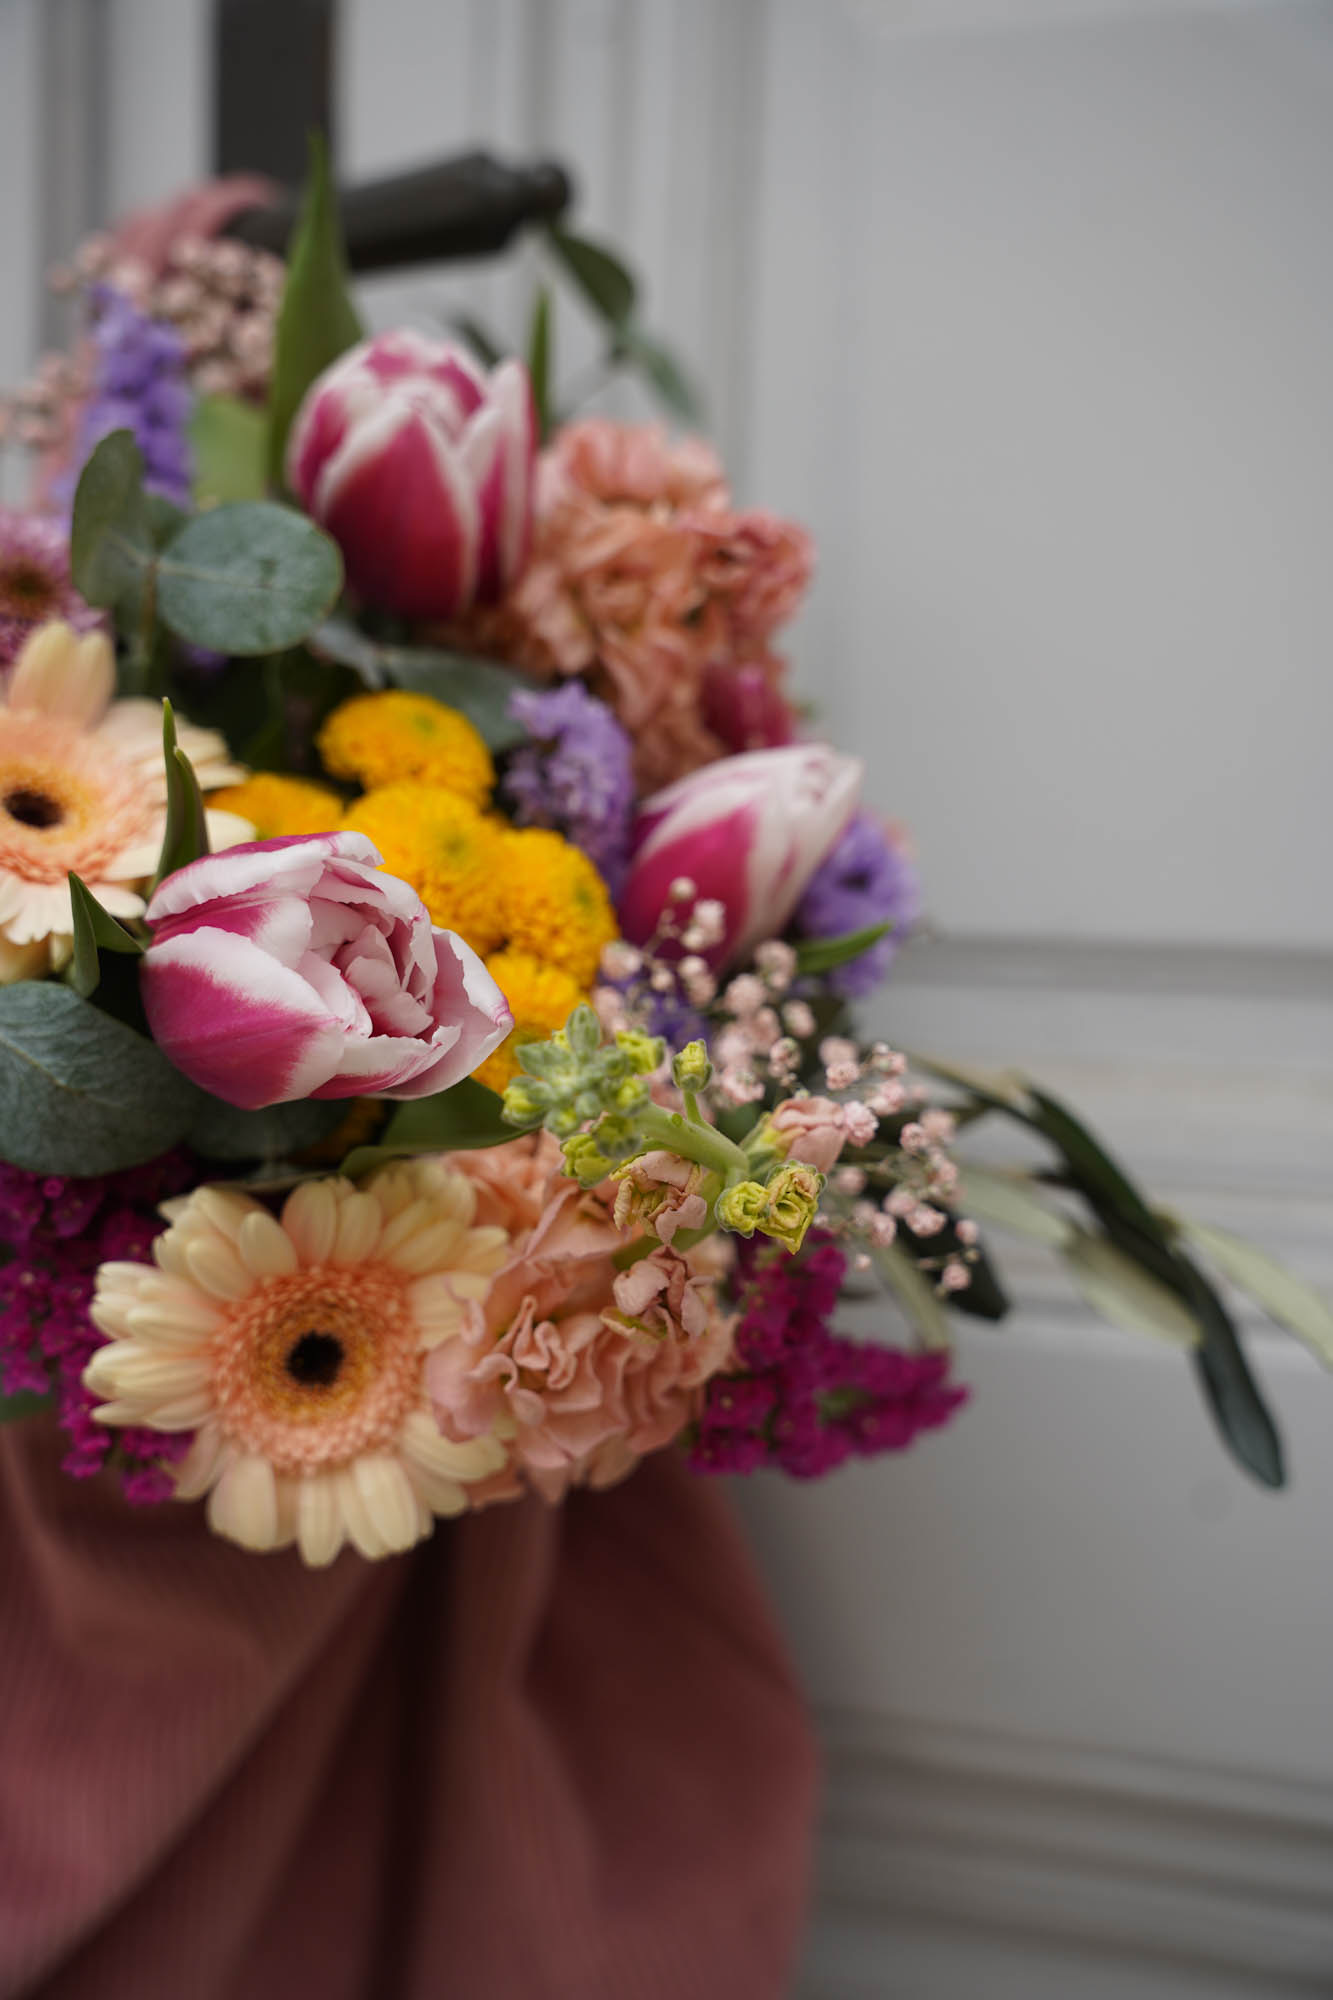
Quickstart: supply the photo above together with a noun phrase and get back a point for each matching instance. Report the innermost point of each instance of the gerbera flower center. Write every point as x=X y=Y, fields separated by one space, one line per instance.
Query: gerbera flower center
x=315 y=1360
x=33 y=808
x=317 y=1367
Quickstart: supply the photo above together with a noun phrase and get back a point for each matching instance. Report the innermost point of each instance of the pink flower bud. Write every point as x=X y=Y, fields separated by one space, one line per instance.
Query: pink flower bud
x=749 y=831
x=812 y=1130
x=296 y=968
x=420 y=466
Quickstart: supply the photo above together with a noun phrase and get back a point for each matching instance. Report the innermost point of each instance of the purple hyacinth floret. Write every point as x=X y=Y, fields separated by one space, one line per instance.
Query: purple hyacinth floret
x=138 y=385
x=869 y=878
x=55 y=1231
x=575 y=775
x=806 y=1399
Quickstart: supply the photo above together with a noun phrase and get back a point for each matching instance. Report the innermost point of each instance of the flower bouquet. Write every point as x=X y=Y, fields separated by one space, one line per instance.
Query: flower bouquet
x=429 y=934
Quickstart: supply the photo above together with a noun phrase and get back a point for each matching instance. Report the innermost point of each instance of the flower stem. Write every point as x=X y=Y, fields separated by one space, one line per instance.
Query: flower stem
x=702 y=1142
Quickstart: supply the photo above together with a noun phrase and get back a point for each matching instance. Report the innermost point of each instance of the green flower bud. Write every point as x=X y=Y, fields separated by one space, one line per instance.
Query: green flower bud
x=741 y=1207
x=691 y=1069
x=646 y=1052
x=585 y=1160
x=792 y=1202
x=526 y=1101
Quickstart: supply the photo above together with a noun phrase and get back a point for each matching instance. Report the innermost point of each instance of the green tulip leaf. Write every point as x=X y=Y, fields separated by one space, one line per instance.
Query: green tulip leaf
x=824 y=954
x=464 y=1119
x=606 y=283
x=221 y=1131
x=479 y=688
x=229 y=440
x=317 y=320
x=95 y=931
x=185 y=836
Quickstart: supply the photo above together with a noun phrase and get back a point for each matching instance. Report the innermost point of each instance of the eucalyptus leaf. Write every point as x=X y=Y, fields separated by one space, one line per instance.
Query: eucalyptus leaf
x=222 y=1132
x=1008 y=1201
x=229 y=440
x=915 y=1294
x=95 y=930
x=249 y=577
x=317 y=320
x=81 y=1093
x=823 y=954
x=479 y=688
x=185 y=835
x=1121 y=1291
x=1286 y=1298
x=111 y=536
x=606 y=283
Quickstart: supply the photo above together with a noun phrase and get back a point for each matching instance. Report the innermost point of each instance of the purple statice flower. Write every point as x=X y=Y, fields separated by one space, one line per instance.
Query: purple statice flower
x=138 y=384
x=869 y=878
x=806 y=1399
x=575 y=775
x=56 y=1231
x=34 y=580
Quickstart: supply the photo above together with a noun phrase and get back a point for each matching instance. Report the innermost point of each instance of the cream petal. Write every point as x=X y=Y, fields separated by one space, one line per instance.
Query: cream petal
x=173 y=1325
x=265 y=1247
x=226 y=829
x=436 y=1491
x=63 y=675
x=469 y=1284
x=310 y=1219
x=214 y=1264
x=136 y=860
x=359 y=1223
x=120 y=901
x=131 y=1373
x=202 y=1463
x=485 y=1249
x=386 y=1493
x=403 y=1222
x=394 y=1188
x=224 y=1208
x=424 y=1249
x=421 y=1442
x=243 y=1505
x=319 y=1519
x=357 y=1519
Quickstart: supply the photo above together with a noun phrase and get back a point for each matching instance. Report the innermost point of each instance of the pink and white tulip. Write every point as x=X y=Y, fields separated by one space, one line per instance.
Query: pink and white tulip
x=420 y=465
x=296 y=968
x=748 y=833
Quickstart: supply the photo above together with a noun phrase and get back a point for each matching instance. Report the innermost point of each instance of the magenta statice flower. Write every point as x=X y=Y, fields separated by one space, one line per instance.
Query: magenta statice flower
x=869 y=878
x=575 y=775
x=56 y=1232
x=35 y=581
x=138 y=384
x=806 y=1399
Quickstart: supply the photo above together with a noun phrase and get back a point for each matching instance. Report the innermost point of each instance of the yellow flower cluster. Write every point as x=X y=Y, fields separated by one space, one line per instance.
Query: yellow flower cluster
x=277 y=805
x=532 y=904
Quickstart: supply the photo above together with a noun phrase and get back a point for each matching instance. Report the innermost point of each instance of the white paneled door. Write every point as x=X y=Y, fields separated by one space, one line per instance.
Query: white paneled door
x=1025 y=306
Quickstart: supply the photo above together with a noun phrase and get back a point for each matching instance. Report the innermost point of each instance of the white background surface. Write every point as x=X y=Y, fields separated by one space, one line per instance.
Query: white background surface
x=1026 y=310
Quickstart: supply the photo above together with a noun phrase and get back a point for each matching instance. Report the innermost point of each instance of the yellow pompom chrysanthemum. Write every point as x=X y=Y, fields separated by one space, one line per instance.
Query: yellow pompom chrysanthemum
x=554 y=904
x=276 y=805
x=541 y=999
x=380 y=739
x=449 y=852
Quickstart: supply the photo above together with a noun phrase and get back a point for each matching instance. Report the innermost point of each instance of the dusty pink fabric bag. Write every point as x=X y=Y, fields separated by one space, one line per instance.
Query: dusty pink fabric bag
x=548 y=1756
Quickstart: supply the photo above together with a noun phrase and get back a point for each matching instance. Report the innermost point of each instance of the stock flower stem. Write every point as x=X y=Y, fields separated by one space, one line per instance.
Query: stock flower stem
x=702 y=1143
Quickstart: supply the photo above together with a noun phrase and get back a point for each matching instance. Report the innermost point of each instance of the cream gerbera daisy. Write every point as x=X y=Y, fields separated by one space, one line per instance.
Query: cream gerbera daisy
x=82 y=786
x=295 y=1349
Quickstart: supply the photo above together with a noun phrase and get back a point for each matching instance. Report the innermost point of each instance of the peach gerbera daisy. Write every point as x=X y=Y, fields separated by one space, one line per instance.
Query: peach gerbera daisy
x=82 y=786
x=295 y=1349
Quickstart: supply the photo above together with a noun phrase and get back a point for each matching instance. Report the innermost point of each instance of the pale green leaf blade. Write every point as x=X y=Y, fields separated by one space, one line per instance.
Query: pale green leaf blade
x=1286 y=1298
x=915 y=1295
x=1009 y=1201
x=1122 y=1292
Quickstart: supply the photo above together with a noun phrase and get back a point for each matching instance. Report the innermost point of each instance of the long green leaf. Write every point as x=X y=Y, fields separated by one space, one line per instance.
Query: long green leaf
x=1285 y=1297
x=1009 y=1202
x=229 y=440
x=915 y=1295
x=606 y=283
x=463 y=1119
x=95 y=930
x=185 y=836
x=823 y=954
x=539 y=360
x=661 y=369
x=317 y=320
x=1121 y=1291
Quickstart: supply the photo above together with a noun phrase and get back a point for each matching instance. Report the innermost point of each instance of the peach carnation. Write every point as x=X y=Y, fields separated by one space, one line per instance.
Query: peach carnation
x=646 y=579
x=580 y=1369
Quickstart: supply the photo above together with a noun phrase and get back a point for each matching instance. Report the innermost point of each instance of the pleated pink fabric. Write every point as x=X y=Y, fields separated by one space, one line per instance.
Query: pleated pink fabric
x=548 y=1756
